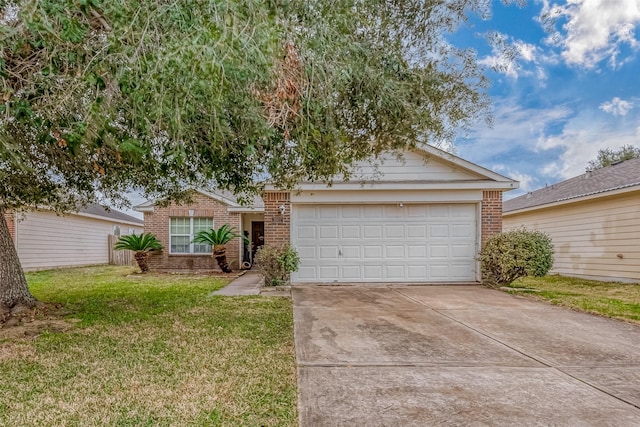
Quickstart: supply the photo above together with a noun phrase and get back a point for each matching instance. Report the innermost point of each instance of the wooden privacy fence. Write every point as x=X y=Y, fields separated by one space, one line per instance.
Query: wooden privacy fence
x=119 y=257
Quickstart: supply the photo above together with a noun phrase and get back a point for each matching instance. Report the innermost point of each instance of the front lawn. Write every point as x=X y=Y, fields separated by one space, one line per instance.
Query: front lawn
x=151 y=350
x=611 y=299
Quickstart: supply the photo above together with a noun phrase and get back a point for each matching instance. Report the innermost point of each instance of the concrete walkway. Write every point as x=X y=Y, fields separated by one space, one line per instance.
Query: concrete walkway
x=247 y=284
x=459 y=355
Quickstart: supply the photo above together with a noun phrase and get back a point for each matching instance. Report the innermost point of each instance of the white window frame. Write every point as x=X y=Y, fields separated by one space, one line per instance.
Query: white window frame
x=190 y=235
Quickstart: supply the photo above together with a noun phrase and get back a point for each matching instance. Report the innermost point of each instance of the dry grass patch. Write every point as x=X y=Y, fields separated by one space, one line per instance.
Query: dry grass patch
x=151 y=351
x=610 y=299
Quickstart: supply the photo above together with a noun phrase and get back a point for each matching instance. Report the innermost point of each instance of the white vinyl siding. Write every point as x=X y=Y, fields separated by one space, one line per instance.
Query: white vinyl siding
x=598 y=238
x=410 y=167
x=46 y=240
x=183 y=230
x=385 y=242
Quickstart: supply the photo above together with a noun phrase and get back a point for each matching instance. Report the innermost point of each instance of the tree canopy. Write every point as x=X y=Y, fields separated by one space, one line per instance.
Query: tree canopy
x=152 y=94
x=101 y=97
x=607 y=156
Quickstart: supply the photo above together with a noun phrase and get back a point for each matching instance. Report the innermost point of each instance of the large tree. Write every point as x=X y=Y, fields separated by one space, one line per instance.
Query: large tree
x=98 y=97
x=607 y=156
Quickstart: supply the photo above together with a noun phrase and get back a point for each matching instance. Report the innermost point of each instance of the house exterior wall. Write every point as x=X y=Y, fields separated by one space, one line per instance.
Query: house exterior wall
x=277 y=226
x=9 y=217
x=598 y=239
x=45 y=240
x=491 y=214
x=411 y=166
x=158 y=222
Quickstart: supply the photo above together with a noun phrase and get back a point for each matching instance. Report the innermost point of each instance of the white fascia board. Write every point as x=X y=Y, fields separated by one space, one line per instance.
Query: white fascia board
x=573 y=200
x=104 y=218
x=398 y=186
x=382 y=196
x=141 y=208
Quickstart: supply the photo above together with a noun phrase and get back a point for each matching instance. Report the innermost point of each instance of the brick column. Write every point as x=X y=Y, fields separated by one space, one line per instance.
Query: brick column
x=491 y=214
x=277 y=226
x=10 y=217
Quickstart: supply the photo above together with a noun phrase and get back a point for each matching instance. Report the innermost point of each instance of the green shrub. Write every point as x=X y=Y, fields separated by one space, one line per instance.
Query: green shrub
x=277 y=263
x=510 y=255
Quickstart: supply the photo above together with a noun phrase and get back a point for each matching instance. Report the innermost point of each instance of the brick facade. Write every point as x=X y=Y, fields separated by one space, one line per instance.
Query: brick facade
x=157 y=222
x=10 y=217
x=277 y=225
x=491 y=213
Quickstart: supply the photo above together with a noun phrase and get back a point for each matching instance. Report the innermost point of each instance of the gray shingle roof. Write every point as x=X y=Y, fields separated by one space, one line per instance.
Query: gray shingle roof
x=110 y=214
x=614 y=177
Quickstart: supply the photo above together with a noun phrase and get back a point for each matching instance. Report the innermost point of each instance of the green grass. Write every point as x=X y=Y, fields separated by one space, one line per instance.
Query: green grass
x=150 y=350
x=610 y=299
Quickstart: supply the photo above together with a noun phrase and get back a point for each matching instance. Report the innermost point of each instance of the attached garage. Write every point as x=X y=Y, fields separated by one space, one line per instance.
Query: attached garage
x=385 y=242
x=417 y=217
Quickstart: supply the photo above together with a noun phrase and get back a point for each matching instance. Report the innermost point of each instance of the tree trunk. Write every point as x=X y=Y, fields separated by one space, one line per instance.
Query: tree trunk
x=141 y=259
x=13 y=285
x=220 y=254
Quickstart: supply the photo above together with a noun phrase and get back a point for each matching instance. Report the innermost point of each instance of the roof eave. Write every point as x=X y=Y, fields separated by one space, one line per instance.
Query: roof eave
x=573 y=200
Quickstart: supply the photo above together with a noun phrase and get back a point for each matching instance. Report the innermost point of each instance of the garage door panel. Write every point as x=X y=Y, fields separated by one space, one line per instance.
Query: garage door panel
x=439 y=251
x=350 y=232
x=328 y=272
x=372 y=252
x=416 y=231
x=373 y=272
x=351 y=252
x=328 y=232
x=462 y=251
x=395 y=272
x=394 y=231
x=307 y=252
x=329 y=252
x=461 y=230
x=385 y=243
x=417 y=251
x=417 y=272
x=372 y=231
x=439 y=230
x=394 y=251
x=307 y=273
x=373 y=212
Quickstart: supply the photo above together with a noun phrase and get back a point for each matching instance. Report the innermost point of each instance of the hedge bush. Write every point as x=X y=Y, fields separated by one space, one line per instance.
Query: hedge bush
x=510 y=255
x=277 y=263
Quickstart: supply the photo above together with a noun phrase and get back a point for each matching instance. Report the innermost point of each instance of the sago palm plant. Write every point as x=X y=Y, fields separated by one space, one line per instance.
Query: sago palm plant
x=218 y=239
x=141 y=244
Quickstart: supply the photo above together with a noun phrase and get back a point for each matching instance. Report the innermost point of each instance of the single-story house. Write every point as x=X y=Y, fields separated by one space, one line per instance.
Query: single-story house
x=45 y=240
x=420 y=217
x=593 y=219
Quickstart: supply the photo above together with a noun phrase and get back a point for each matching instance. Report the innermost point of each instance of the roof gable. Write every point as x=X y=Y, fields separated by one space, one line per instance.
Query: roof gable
x=601 y=181
x=423 y=167
x=222 y=196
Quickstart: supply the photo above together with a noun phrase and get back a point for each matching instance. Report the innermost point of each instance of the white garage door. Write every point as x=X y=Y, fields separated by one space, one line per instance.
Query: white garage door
x=385 y=243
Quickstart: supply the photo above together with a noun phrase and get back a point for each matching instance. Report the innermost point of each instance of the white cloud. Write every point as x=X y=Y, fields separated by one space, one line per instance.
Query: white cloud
x=579 y=142
x=594 y=30
x=617 y=106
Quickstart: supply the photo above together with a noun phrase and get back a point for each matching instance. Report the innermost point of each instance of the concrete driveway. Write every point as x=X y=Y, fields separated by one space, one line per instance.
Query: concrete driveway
x=459 y=355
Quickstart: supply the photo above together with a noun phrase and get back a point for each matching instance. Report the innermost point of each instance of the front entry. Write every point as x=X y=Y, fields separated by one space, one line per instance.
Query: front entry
x=257 y=236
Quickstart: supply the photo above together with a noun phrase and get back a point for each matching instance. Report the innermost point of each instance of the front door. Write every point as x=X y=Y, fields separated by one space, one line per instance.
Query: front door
x=257 y=236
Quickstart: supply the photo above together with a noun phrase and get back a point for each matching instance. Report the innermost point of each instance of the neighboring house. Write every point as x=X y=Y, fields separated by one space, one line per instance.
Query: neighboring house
x=45 y=240
x=420 y=218
x=593 y=219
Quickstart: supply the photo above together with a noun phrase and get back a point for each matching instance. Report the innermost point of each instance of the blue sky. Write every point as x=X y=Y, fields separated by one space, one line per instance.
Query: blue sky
x=569 y=92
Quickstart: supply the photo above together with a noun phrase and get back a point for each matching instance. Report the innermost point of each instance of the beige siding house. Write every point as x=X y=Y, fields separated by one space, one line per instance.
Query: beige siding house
x=593 y=219
x=419 y=217
x=45 y=240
